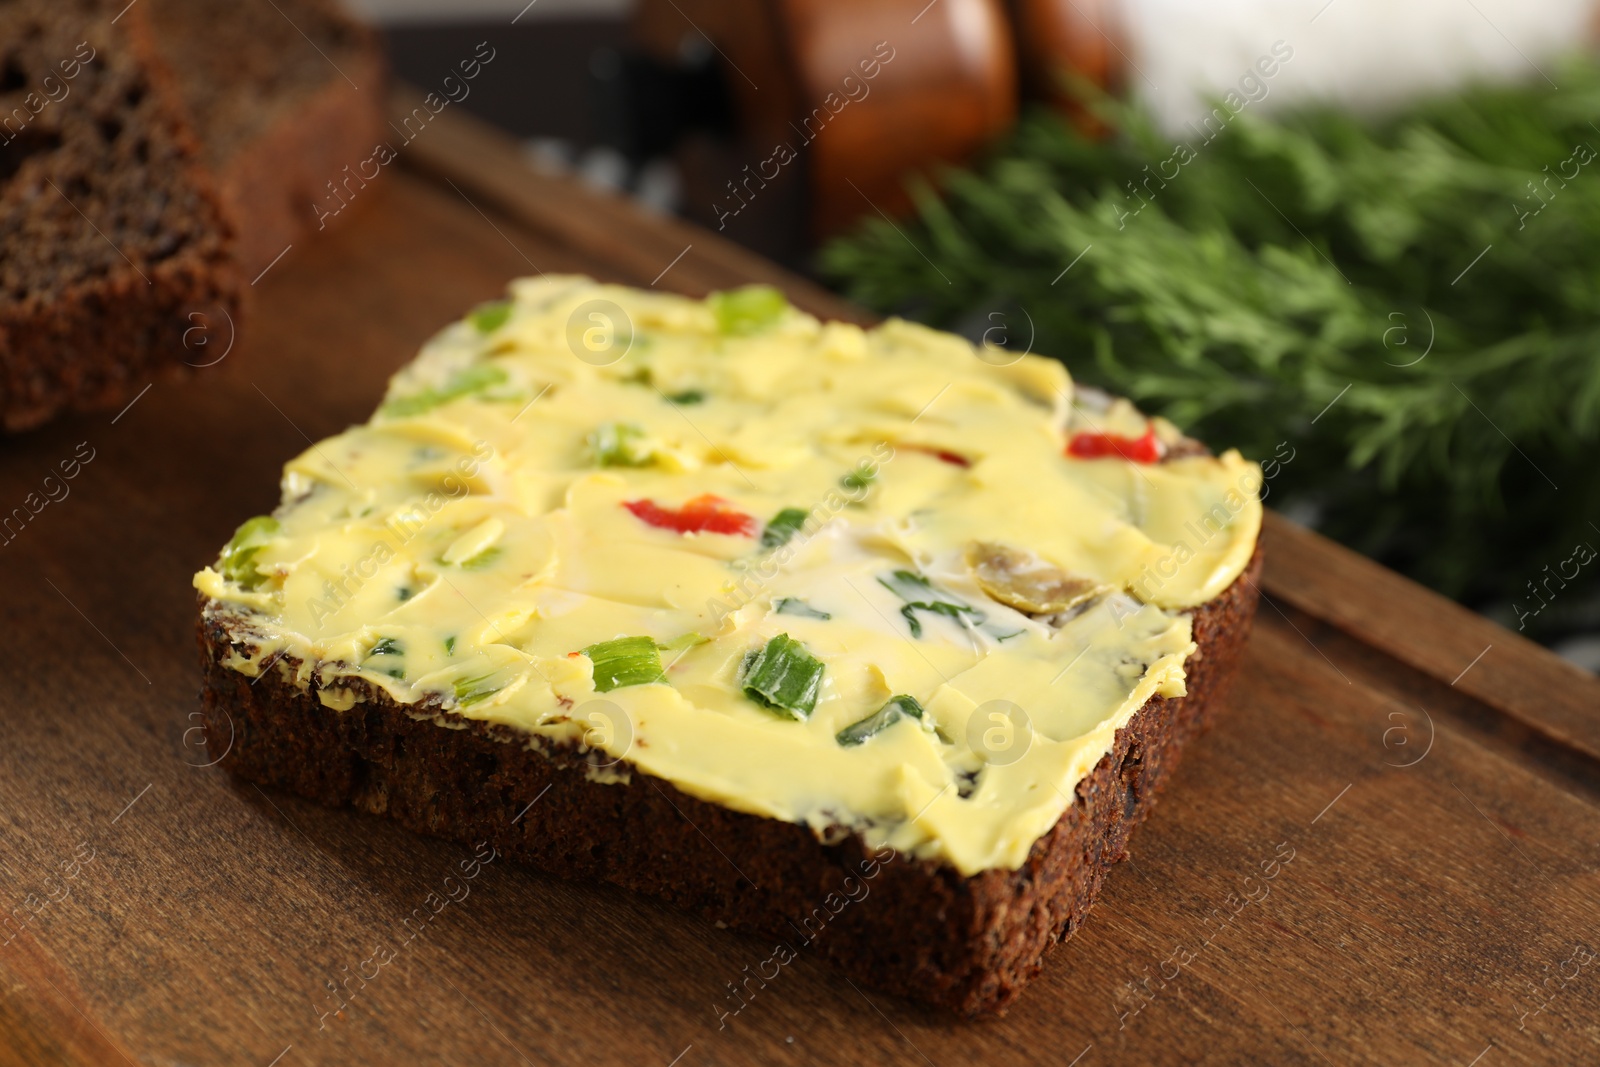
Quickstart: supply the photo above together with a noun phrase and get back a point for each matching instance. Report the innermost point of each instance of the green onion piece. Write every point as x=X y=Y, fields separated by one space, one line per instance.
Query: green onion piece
x=623 y=662
x=479 y=562
x=937 y=607
x=907 y=585
x=450 y=645
x=783 y=526
x=619 y=444
x=793 y=605
x=238 y=556
x=682 y=641
x=470 y=691
x=898 y=707
x=919 y=595
x=783 y=676
x=908 y=705
x=475 y=378
x=747 y=310
x=487 y=318
x=464 y=382
x=859 y=478
x=482 y=559
x=688 y=396
x=387 y=647
x=403 y=594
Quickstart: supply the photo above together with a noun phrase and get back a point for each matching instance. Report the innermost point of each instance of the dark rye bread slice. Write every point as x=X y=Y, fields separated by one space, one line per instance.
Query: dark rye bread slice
x=284 y=96
x=110 y=232
x=915 y=928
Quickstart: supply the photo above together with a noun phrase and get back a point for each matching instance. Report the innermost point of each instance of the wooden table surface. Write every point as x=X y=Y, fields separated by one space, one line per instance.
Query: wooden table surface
x=1423 y=785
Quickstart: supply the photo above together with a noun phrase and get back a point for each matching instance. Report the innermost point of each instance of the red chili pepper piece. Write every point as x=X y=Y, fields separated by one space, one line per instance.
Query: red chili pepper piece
x=703 y=514
x=1091 y=445
x=947 y=456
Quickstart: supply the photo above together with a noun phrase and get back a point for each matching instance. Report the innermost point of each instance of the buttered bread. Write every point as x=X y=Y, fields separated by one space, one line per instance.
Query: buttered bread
x=879 y=584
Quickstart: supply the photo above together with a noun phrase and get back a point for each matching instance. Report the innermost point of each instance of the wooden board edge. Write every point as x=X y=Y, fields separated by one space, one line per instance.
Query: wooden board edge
x=1433 y=634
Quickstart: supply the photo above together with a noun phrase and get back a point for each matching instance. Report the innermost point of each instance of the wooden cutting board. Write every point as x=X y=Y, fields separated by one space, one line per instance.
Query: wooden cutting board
x=1413 y=791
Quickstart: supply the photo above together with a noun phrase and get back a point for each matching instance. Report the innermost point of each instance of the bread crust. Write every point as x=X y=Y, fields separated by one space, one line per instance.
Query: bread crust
x=86 y=348
x=93 y=343
x=273 y=185
x=311 y=82
x=916 y=928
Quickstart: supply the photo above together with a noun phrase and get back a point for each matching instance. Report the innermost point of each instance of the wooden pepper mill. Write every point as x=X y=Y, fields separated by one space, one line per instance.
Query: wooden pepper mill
x=823 y=108
x=791 y=120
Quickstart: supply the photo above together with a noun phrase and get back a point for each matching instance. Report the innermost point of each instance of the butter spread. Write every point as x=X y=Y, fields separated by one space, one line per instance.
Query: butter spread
x=811 y=524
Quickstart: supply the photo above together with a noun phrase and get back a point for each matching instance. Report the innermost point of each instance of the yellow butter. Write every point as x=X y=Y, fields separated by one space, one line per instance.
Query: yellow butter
x=467 y=543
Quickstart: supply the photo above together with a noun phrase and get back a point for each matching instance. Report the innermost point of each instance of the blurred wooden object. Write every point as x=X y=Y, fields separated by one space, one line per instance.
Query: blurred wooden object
x=810 y=142
x=1058 y=40
x=835 y=105
x=946 y=87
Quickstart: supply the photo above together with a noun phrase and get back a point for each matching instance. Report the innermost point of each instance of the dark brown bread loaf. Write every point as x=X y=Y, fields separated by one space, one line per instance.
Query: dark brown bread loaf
x=111 y=235
x=283 y=96
x=915 y=928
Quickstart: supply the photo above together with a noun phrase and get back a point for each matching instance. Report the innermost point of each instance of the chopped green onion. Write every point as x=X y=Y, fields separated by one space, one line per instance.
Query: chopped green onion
x=783 y=676
x=474 y=563
x=387 y=647
x=470 y=691
x=898 y=707
x=859 y=478
x=468 y=380
x=907 y=585
x=403 y=593
x=783 y=526
x=487 y=318
x=688 y=396
x=623 y=662
x=238 y=556
x=919 y=595
x=682 y=641
x=747 y=310
x=482 y=559
x=951 y=610
x=793 y=605
x=620 y=444
x=908 y=705
x=450 y=645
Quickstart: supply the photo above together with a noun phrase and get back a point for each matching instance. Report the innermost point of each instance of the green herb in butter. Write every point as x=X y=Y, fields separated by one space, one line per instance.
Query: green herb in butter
x=783 y=676
x=898 y=707
x=238 y=558
x=623 y=662
x=749 y=310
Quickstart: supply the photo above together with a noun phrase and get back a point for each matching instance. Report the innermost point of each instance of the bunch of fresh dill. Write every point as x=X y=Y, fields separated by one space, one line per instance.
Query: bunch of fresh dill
x=1407 y=305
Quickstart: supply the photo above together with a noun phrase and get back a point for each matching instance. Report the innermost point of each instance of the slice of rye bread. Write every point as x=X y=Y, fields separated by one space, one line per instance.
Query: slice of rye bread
x=284 y=96
x=911 y=927
x=111 y=234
